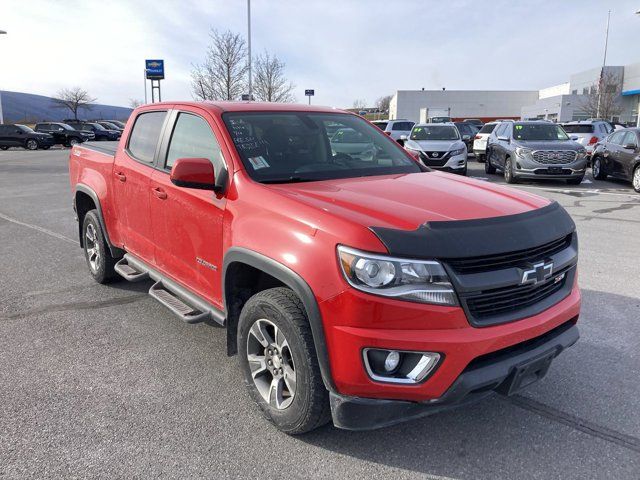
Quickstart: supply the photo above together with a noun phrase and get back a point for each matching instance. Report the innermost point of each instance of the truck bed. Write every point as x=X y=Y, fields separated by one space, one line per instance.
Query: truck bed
x=108 y=148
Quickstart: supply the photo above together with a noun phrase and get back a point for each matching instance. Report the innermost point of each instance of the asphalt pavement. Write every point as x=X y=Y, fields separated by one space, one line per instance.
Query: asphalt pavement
x=102 y=381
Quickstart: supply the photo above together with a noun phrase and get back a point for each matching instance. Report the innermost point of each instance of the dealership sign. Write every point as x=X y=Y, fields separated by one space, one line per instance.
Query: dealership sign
x=154 y=69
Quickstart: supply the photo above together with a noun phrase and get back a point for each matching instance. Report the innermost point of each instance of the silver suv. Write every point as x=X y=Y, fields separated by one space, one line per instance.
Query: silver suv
x=395 y=128
x=588 y=132
x=535 y=150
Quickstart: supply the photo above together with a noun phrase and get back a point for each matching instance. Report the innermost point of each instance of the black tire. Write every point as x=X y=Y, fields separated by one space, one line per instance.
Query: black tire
x=102 y=267
x=596 y=169
x=73 y=141
x=635 y=178
x=488 y=167
x=4 y=147
x=575 y=181
x=309 y=405
x=31 y=144
x=481 y=158
x=509 y=176
x=463 y=172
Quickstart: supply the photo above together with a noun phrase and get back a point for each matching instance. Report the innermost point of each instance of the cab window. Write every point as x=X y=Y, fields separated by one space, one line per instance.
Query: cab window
x=145 y=135
x=192 y=138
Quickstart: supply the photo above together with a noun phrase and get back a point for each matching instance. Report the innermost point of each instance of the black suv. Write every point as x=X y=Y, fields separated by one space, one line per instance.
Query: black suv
x=98 y=130
x=467 y=133
x=618 y=156
x=23 y=136
x=109 y=125
x=535 y=150
x=63 y=134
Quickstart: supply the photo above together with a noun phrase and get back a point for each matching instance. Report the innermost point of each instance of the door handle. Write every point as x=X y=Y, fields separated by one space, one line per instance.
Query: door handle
x=160 y=193
x=121 y=176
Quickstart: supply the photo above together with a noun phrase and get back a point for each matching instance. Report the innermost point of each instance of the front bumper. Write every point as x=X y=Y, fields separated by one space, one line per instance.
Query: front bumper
x=503 y=371
x=527 y=168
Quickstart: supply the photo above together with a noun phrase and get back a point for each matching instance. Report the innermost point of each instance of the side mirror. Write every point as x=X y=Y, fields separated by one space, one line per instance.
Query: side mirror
x=466 y=137
x=629 y=146
x=502 y=138
x=575 y=139
x=194 y=173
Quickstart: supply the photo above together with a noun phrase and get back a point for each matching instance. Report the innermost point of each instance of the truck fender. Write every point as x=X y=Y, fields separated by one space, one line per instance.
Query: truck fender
x=296 y=283
x=115 y=252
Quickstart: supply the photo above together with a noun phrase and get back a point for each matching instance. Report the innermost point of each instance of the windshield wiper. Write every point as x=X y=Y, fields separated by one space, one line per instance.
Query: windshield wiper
x=292 y=179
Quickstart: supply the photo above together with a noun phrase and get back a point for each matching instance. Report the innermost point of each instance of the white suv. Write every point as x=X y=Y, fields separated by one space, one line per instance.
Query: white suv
x=480 y=141
x=395 y=128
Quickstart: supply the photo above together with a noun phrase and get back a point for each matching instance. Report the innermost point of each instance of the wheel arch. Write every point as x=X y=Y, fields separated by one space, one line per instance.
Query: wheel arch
x=278 y=274
x=85 y=199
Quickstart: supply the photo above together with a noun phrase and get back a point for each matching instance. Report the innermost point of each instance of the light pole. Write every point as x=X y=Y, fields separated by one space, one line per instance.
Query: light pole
x=2 y=32
x=604 y=62
x=249 y=45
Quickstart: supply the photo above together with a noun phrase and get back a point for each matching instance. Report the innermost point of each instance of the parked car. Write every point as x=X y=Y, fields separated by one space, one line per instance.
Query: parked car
x=98 y=130
x=535 y=150
x=16 y=135
x=438 y=146
x=117 y=123
x=395 y=128
x=352 y=144
x=618 y=156
x=367 y=292
x=467 y=133
x=110 y=126
x=63 y=134
x=474 y=121
x=480 y=141
x=587 y=133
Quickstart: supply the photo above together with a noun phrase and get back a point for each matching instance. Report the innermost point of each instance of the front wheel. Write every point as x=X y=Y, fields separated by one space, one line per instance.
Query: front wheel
x=596 y=169
x=96 y=251
x=73 y=142
x=278 y=360
x=509 y=177
x=488 y=167
x=31 y=144
x=636 y=179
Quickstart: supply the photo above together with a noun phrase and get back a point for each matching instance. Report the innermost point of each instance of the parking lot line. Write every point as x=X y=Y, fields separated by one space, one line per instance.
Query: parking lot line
x=39 y=229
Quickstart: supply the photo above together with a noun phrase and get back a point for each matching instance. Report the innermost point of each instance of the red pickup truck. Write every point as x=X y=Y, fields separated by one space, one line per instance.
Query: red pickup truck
x=354 y=283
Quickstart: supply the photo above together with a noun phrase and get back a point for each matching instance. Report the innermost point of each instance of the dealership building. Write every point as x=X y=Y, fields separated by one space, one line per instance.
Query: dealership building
x=559 y=103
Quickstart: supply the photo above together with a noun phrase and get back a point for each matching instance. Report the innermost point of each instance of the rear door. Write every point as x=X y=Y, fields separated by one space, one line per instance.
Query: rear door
x=132 y=172
x=612 y=150
x=188 y=223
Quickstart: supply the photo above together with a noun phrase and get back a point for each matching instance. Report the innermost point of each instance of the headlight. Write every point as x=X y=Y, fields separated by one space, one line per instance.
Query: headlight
x=523 y=152
x=422 y=281
x=458 y=151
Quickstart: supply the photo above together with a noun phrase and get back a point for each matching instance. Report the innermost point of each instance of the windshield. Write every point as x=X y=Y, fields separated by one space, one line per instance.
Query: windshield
x=434 y=132
x=279 y=147
x=24 y=128
x=578 y=128
x=488 y=128
x=63 y=125
x=97 y=126
x=538 y=131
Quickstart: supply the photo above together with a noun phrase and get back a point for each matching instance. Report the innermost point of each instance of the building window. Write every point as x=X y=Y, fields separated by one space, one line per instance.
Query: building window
x=574 y=92
x=585 y=91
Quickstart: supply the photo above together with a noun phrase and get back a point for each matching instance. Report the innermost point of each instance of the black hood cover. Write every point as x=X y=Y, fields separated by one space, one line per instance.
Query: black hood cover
x=475 y=238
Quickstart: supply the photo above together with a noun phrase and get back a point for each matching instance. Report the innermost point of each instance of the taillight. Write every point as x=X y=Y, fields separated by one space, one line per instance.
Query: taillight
x=593 y=140
x=477 y=137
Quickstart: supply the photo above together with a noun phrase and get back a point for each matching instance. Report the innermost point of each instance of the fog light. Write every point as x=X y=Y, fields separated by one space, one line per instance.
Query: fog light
x=392 y=361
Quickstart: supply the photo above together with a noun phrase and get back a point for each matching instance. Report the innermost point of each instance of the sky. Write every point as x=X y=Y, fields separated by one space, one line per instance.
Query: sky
x=344 y=49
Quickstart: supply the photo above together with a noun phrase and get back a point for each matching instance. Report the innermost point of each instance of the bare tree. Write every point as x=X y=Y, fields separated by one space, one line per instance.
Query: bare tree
x=270 y=84
x=382 y=104
x=222 y=75
x=603 y=100
x=359 y=104
x=74 y=99
x=135 y=103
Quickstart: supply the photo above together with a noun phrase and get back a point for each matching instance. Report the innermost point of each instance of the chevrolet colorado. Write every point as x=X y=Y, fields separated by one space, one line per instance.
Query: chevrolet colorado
x=363 y=289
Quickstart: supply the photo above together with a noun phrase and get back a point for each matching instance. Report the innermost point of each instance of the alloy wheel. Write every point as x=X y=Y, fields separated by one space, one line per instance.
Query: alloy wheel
x=636 y=179
x=271 y=363
x=32 y=144
x=595 y=168
x=93 y=248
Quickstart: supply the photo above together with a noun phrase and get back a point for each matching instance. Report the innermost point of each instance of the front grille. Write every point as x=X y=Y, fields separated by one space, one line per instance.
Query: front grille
x=508 y=260
x=434 y=159
x=554 y=157
x=505 y=300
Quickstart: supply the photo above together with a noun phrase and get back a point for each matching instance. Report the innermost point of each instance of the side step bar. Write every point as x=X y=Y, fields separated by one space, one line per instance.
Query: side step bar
x=186 y=305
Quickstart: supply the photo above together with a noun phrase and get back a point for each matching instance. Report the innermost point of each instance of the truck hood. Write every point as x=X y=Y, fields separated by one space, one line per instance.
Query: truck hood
x=408 y=201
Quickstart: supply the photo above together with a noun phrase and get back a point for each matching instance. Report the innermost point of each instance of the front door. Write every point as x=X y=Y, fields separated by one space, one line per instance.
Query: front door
x=132 y=179
x=626 y=156
x=188 y=223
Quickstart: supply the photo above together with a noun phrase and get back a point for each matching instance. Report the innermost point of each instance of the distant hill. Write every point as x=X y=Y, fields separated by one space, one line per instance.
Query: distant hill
x=29 y=108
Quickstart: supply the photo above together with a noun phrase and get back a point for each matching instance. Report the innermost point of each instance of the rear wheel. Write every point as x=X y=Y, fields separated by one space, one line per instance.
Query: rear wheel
x=278 y=360
x=636 y=179
x=488 y=167
x=96 y=251
x=73 y=141
x=3 y=147
x=596 y=169
x=509 y=177
x=31 y=144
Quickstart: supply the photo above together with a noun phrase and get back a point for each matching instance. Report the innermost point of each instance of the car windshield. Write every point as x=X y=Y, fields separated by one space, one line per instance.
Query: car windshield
x=582 y=128
x=538 y=131
x=434 y=132
x=285 y=147
x=349 y=135
x=109 y=126
x=24 y=128
x=488 y=128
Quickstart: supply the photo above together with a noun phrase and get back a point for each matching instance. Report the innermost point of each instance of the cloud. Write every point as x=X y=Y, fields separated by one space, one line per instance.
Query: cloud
x=343 y=49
